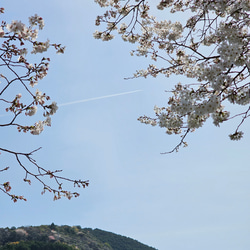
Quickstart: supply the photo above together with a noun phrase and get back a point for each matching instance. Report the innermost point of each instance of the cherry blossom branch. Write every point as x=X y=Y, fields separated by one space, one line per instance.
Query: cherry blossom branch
x=58 y=192
x=212 y=46
x=176 y=148
x=14 y=59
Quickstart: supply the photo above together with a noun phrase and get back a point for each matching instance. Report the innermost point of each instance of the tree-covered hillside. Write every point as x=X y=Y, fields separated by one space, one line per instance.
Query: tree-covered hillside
x=118 y=242
x=65 y=238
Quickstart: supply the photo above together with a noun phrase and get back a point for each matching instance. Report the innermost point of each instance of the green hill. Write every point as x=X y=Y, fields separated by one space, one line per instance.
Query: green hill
x=65 y=238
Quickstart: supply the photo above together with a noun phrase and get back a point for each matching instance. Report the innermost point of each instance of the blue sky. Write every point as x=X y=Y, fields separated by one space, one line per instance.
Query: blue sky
x=198 y=198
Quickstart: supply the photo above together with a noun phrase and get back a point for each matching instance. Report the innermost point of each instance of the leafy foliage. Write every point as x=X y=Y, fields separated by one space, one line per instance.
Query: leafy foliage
x=36 y=245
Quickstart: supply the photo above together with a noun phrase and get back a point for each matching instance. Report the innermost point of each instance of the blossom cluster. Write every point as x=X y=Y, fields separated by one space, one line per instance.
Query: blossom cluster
x=212 y=46
x=15 y=58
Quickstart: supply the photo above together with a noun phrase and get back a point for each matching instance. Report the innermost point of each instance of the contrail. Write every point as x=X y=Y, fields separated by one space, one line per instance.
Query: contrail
x=90 y=99
x=98 y=98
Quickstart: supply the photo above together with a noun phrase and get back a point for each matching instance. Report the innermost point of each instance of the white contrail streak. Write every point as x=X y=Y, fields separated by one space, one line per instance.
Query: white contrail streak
x=98 y=98
x=91 y=99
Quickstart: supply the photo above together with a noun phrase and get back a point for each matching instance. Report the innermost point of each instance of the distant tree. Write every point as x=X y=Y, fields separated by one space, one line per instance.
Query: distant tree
x=210 y=43
x=52 y=226
x=19 y=74
x=68 y=230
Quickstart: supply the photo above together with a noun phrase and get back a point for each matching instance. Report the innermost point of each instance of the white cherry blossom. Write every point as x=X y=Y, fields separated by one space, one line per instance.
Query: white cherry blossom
x=210 y=44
